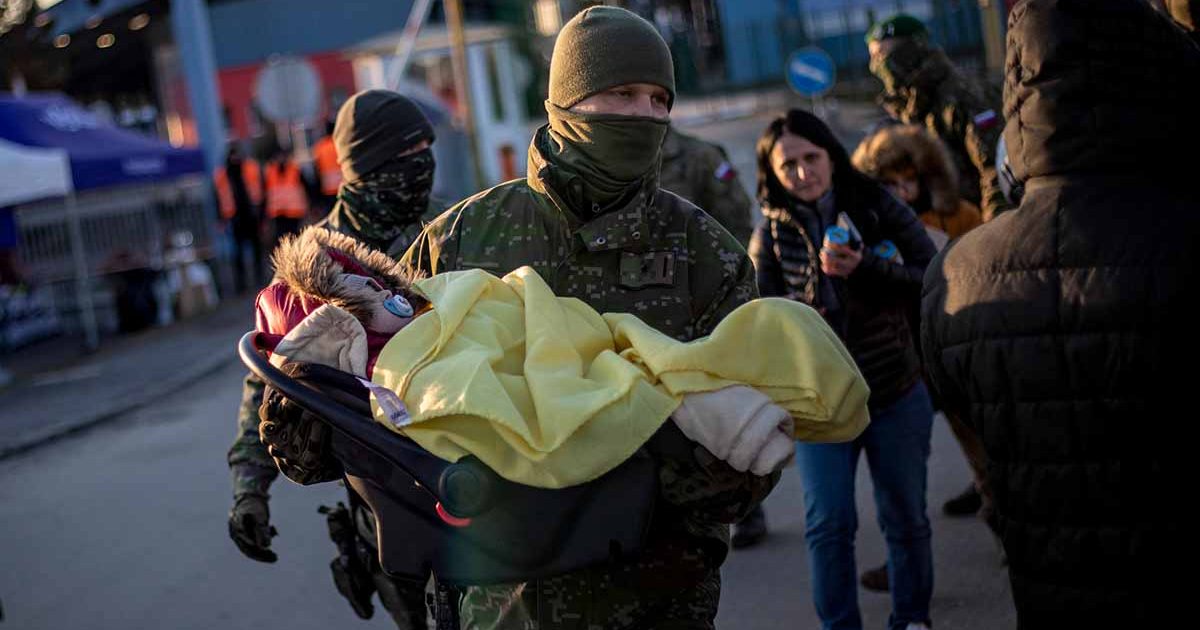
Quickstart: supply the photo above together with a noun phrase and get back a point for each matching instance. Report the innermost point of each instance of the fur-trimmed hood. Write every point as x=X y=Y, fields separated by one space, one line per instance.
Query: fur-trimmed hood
x=311 y=263
x=899 y=147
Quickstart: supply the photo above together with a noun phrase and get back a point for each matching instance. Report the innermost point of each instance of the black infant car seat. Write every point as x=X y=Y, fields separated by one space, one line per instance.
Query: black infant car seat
x=461 y=520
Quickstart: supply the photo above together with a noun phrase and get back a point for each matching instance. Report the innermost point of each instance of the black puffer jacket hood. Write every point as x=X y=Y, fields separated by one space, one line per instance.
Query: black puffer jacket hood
x=1101 y=88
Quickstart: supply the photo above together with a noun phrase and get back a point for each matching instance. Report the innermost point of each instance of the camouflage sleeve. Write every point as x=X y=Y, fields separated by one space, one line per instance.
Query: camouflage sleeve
x=980 y=134
x=723 y=196
x=251 y=466
x=436 y=249
x=706 y=488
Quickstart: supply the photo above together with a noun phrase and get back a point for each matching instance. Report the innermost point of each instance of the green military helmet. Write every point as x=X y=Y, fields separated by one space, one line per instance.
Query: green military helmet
x=899 y=25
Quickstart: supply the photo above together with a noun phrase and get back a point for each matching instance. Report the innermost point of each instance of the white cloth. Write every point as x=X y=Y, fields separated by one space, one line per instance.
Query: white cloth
x=739 y=425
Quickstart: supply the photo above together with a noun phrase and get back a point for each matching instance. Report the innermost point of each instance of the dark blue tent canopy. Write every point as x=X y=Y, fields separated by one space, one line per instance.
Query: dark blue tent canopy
x=100 y=154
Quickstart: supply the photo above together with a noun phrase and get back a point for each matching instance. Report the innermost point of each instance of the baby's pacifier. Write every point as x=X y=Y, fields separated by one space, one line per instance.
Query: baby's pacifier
x=398 y=306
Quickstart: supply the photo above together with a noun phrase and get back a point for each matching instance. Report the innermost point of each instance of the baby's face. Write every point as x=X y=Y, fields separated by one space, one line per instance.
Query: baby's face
x=393 y=311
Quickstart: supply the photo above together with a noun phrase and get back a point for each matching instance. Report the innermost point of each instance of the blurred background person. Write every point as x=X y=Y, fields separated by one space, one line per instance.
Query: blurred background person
x=328 y=173
x=922 y=87
x=916 y=168
x=383 y=142
x=1054 y=330
x=701 y=172
x=239 y=188
x=807 y=186
x=287 y=203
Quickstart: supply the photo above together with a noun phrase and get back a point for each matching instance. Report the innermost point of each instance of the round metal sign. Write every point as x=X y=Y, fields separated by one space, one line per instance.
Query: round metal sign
x=811 y=72
x=288 y=89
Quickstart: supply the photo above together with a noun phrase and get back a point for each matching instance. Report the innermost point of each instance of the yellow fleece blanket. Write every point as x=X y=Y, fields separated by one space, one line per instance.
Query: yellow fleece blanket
x=549 y=393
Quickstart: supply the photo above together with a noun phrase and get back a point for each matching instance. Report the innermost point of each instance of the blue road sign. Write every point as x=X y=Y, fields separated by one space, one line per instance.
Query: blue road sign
x=810 y=72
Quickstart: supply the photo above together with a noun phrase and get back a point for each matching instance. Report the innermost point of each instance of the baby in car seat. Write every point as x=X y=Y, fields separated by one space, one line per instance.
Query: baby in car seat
x=543 y=389
x=367 y=297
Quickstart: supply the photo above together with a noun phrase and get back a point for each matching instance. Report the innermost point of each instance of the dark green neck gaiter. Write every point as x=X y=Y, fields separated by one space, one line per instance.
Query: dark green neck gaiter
x=610 y=155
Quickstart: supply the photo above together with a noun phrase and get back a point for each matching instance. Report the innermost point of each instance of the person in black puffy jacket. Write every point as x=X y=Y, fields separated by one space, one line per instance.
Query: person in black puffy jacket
x=1062 y=332
x=806 y=185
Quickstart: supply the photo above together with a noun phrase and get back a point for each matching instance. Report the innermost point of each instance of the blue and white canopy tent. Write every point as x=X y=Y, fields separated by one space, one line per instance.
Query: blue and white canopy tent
x=51 y=147
x=100 y=155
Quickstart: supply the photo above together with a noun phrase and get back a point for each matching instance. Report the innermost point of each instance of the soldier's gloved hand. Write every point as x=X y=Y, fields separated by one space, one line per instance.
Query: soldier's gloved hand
x=250 y=527
x=297 y=441
x=739 y=425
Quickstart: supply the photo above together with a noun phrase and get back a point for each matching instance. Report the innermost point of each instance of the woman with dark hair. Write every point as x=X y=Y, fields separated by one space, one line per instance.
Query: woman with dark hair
x=863 y=285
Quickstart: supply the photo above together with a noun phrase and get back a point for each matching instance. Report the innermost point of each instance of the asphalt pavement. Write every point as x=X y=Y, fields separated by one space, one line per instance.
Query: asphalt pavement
x=123 y=526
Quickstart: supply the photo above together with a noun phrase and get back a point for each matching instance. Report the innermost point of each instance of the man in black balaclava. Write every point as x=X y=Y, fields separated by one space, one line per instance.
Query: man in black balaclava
x=383 y=144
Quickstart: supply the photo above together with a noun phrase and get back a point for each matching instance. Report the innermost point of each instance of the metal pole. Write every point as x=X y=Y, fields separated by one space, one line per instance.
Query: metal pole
x=404 y=48
x=458 y=61
x=83 y=291
x=189 y=25
x=193 y=36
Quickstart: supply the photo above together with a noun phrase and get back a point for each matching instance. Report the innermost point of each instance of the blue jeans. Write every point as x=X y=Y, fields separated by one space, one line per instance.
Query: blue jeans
x=897 y=446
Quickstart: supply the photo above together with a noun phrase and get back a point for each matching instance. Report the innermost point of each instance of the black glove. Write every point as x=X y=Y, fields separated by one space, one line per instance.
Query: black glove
x=250 y=527
x=297 y=441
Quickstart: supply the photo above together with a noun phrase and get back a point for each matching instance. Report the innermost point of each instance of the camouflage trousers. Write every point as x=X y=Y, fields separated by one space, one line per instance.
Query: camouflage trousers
x=590 y=600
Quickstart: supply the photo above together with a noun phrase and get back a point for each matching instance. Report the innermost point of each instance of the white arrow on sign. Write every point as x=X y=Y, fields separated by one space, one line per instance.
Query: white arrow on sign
x=810 y=72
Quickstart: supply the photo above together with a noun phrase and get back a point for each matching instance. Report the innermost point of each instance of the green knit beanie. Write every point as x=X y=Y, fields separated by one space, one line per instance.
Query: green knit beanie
x=899 y=25
x=603 y=47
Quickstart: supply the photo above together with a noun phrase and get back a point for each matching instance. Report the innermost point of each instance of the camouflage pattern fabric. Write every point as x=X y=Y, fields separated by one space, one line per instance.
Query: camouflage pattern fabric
x=252 y=467
x=387 y=203
x=570 y=602
x=700 y=172
x=663 y=259
x=956 y=110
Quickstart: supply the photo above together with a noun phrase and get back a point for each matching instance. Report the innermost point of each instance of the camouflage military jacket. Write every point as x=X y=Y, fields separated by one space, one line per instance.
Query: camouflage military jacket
x=955 y=109
x=666 y=261
x=252 y=468
x=700 y=172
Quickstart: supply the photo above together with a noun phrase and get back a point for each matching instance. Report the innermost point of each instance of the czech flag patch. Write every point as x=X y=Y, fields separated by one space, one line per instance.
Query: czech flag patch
x=986 y=120
x=725 y=172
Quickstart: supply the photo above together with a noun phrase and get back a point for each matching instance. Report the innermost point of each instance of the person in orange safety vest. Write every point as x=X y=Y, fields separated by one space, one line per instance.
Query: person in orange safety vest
x=239 y=187
x=287 y=203
x=329 y=174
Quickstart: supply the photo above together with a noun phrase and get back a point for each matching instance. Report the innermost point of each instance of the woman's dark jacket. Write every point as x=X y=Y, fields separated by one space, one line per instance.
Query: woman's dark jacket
x=869 y=311
x=1065 y=331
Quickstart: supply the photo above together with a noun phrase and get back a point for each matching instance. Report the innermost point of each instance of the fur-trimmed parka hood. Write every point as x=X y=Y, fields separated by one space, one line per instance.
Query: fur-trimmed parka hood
x=311 y=263
x=900 y=147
